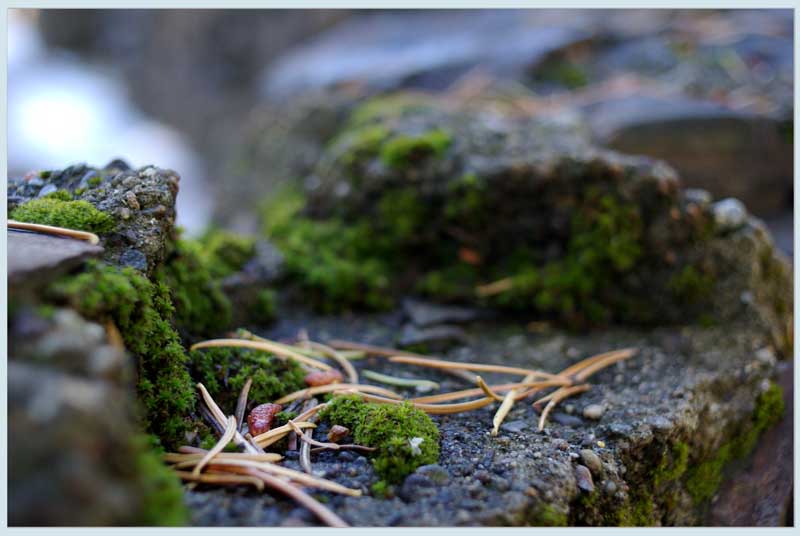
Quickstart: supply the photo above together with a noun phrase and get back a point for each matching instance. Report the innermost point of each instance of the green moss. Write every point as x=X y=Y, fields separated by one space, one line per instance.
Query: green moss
x=224 y=253
x=704 y=479
x=161 y=488
x=95 y=181
x=672 y=468
x=565 y=73
x=80 y=215
x=361 y=143
x=691 y=285
x=457 y=281
x=390 y=429
x=263 y=309
x=604 y=244
x=142 y=311
x=549 y=516
x=386 y=107
x=401 y=151
x=201 y=308
x=62 y=195
x=45 y=174
x=224 y=372
x=335 y=264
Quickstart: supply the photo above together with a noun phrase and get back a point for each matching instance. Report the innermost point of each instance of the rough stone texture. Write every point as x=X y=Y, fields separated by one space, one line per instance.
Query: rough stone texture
x=36 y=258
x=761 y=491
x=142 y=203
x=70 y=418
x=730 y=153
x=686 y=384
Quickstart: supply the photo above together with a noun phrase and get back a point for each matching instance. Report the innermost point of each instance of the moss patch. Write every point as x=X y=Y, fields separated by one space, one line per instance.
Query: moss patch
x=62 y=212
x=224 y=372
x=201 y=308
x=401 y=151
x=142 y=311
x=704 y=479
x=392 y=429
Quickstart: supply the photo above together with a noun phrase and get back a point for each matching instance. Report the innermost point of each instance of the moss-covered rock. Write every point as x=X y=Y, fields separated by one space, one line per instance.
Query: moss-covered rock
x=63 y=212
x=413 y=195
x=142 y=311
x=133 y=211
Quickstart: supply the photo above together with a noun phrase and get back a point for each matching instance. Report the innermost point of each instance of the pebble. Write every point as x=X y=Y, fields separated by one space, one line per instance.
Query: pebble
x=566 y=420
x=49 y=189
x=592 y=461
x=611 y=487
x=560 y=444
x=514 y=426
x=729 y=214
x=601 y=444
x=584 y=478
x=593 y=411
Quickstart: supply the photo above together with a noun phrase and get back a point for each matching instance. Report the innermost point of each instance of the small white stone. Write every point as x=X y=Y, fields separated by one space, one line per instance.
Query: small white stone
x=729 y=213
x=414 y=443
x=593 y=411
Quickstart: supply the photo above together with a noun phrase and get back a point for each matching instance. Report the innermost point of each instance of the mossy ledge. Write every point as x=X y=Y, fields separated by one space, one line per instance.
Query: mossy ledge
x=673 y=481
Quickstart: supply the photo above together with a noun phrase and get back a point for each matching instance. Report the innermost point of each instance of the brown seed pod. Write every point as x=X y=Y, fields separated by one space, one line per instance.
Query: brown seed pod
x=260 y=419
x=337 y=433
x=323 y=377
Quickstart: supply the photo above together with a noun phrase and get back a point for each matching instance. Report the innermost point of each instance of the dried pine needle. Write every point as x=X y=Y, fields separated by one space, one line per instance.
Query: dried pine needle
x=383 y=351
x=487 y=390
x=53 y=230
x=557 y=397
x=221 y=479
x=505 y=407
x=226 y=438
x=439 y=363
x=419 y=384
x=434 y=409
x=455 y=395
x=331 y=387
x=279 y=350
x=241 y=402
x=304 y=436
x=495 y=288
x=280 y=432
x=325 y=350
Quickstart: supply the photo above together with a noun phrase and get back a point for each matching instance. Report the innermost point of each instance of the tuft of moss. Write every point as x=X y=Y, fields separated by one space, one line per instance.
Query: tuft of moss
x=161 y=488
x=225 y=253
x=201 y=307
x=142 y=311
x=62 y=195
x=390 y=429
x=400 y=151
x=224 y=372
x=61 y=212
x=549 y=516
x=672 y=468
x=334 y=263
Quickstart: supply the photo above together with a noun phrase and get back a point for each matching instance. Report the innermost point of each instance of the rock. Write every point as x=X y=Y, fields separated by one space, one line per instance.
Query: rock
x=35 y=259
x=424 y=314
x=592 y=461
x=514 y=426
x=727 y=152
x=141 y=239
x=593 y=412
x=435 y=337
x=386 y=51
x=565 y=419
x=71 y=384
x=584 y=478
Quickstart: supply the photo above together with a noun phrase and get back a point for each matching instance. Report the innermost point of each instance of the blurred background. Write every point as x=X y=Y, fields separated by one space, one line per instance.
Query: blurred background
x=239 y=101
